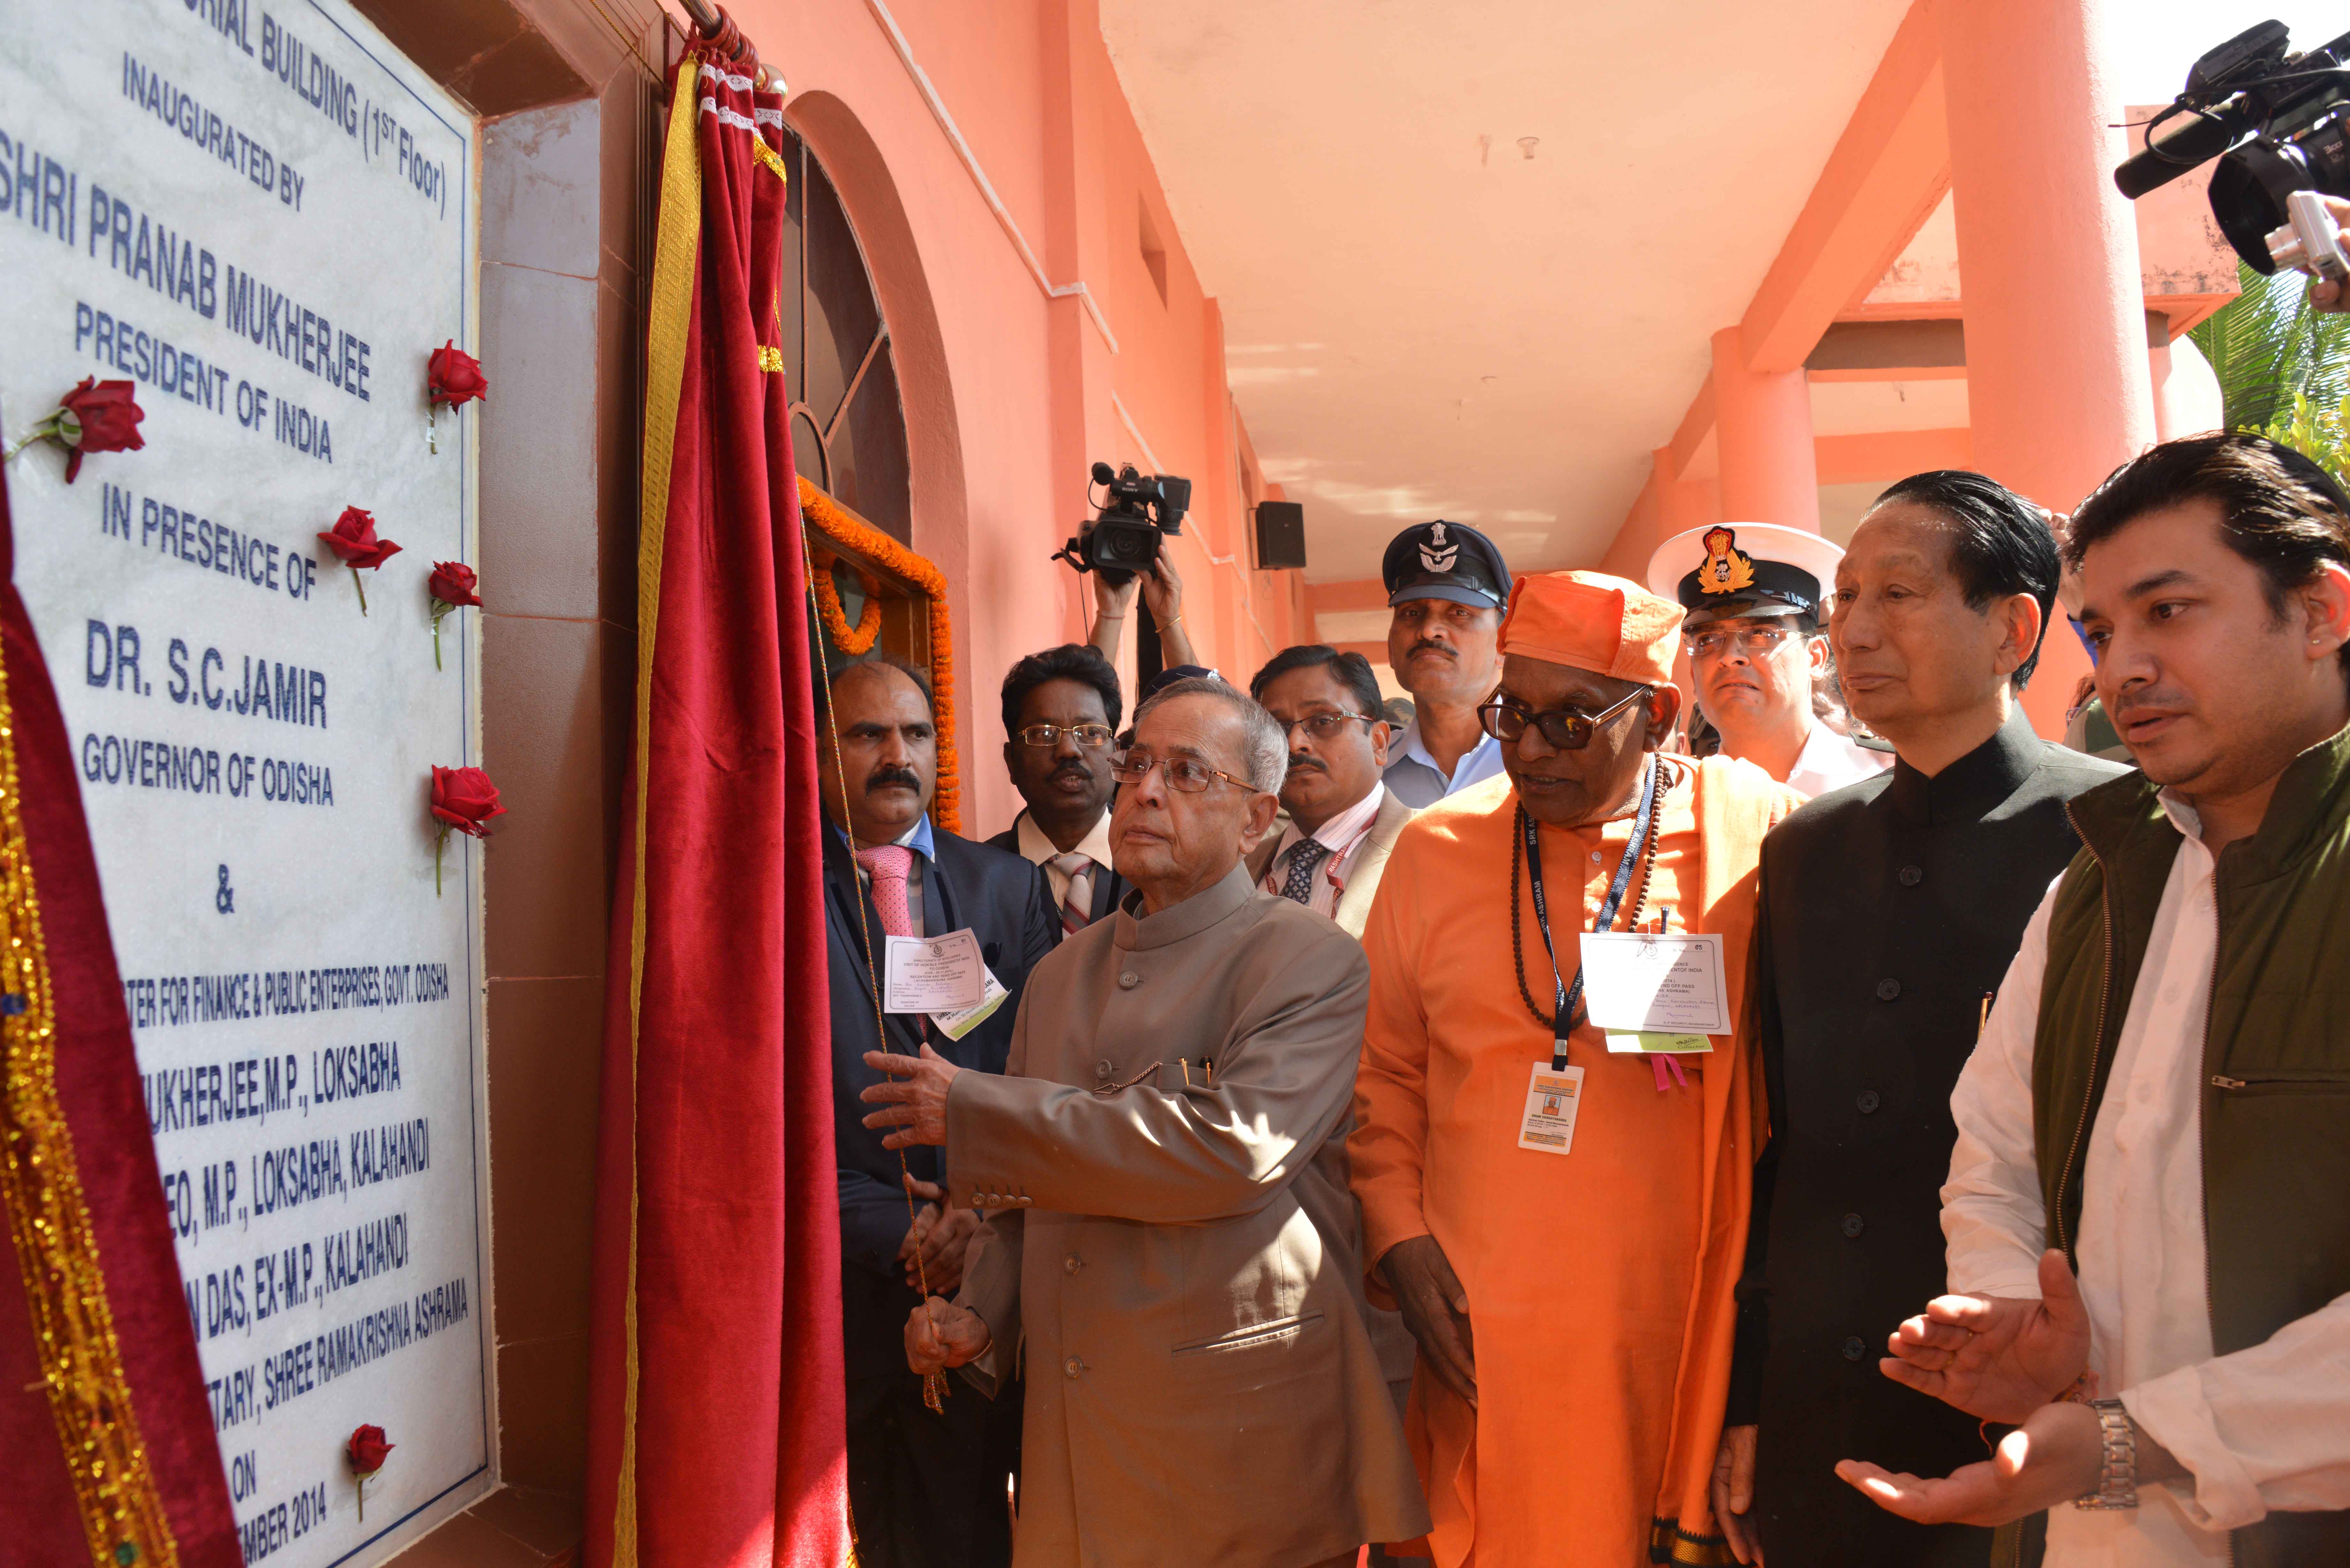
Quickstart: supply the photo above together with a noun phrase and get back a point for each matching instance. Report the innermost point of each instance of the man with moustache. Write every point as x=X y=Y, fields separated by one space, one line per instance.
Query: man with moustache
x=1559 y=1206
x=1342 y=819
x=1169 y=1232
x=925 y=1488
x=1755 y=595
x=1890 y=910
x=1061 y=709
x=2148 y=1207
x=1446 y=585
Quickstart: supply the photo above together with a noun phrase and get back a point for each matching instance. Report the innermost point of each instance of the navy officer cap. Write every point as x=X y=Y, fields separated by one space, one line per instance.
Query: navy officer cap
x=1731 y=571
x=1443 y=560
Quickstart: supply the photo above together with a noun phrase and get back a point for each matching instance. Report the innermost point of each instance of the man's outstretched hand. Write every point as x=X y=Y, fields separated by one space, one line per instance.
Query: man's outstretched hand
x=916 y=1093
x=2056 y=1456
x=1436 y=1309
x=1996 y=1358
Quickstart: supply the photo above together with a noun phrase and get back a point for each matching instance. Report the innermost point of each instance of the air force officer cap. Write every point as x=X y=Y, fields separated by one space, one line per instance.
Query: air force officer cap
x=1443 y=560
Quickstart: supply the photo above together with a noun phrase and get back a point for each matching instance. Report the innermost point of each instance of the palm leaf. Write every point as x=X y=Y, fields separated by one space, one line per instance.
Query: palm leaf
x=2283 y=369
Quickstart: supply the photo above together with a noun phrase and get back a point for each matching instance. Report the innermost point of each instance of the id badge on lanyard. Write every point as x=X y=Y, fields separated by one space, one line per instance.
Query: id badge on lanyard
x=1568 y=996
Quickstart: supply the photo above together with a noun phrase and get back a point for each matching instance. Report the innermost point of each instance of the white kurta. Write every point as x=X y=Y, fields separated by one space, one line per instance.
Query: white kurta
x=2267 y=1427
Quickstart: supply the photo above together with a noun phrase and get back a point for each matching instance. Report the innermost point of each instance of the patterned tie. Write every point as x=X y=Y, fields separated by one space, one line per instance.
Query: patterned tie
x=1304 y=857
x=1077 y=903
x=889 y=864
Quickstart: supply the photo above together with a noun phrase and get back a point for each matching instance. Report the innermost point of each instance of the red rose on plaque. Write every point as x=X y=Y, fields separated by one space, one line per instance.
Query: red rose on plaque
x=452 y=586
x=353 y=539
x=365 y=1452
x=452 y=377
x=97 y=416
x=464 y=801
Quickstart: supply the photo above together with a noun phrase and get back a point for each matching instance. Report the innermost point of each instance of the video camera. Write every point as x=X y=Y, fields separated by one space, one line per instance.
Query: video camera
x=2276 y=122
x=1137 y=513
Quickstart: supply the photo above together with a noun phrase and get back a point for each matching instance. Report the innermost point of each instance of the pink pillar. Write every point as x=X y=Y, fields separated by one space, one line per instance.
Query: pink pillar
x=1762 y=425
x=1683 y=504
x=2048 y=266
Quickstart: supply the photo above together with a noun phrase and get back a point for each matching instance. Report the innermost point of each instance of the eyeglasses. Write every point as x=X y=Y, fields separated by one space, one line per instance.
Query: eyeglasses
x=1092 y=737
x=1322 y=726
x=1566 y=729
x=1184 y=774
x=1753 y=641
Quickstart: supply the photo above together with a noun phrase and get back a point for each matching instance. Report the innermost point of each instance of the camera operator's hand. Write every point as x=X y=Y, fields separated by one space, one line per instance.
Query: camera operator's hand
x=1162 y=590
x=1112 y=608
x=2324 y=294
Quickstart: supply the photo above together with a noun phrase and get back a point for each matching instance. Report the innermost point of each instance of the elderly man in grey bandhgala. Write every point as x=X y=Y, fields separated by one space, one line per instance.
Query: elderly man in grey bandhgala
x=1170 y=1227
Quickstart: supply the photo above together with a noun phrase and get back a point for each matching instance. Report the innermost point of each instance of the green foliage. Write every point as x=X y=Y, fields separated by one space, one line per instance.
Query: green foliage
x=2283 y=369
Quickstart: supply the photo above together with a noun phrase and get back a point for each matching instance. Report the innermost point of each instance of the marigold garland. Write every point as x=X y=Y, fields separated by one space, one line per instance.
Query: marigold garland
x=854 y=641
x=846 y=529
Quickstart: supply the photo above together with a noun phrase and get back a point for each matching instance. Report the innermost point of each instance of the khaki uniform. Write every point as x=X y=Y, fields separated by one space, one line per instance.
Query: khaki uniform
x=1181 y=1258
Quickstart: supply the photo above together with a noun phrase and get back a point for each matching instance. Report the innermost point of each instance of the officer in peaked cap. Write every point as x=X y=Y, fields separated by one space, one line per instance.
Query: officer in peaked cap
x=1447 y=585
x=1755 y=594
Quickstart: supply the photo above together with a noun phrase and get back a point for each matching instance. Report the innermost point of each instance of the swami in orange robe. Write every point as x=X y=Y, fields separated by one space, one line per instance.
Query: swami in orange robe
x=1600 y=1283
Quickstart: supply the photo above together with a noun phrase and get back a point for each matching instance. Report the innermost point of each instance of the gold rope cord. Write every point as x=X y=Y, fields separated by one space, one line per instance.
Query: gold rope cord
x=677 y=244
x=57 y=1245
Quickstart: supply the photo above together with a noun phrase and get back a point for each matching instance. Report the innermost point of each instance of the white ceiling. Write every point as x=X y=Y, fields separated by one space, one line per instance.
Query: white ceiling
x=1470 y=252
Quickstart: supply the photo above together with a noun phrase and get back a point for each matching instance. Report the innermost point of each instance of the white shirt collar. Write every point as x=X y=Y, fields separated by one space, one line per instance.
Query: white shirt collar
x=1037 y=848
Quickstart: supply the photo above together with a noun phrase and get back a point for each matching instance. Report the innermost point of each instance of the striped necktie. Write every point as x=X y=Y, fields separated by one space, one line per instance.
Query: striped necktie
x=1304 y=857
x=1077 y=902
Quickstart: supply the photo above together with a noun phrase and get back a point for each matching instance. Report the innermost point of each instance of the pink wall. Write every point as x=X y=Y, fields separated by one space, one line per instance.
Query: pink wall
x=1010 y=394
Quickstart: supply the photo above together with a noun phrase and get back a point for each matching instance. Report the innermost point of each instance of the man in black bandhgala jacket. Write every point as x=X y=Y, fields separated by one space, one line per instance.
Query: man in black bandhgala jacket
x=926 y=1489
x=1890 y=910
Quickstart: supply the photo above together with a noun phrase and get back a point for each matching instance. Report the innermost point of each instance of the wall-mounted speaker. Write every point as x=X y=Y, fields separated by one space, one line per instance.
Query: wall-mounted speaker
x=1280 y=536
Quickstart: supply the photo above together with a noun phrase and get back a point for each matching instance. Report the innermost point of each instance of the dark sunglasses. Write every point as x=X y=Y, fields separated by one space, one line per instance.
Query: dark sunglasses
x=1566 y=729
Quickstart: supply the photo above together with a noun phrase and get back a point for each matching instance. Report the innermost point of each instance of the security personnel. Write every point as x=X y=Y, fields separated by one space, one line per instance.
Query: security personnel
x=1753 y=592
x=1446 y=585
x=1889 y=911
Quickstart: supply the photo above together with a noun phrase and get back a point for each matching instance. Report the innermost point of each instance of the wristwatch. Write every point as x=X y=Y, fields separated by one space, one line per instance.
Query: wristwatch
x=2117 y=1477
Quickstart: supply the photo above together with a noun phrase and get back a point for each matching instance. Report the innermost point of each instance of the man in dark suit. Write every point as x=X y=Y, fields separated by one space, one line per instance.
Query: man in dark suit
x=1890 y=910
x=926 y=1489
x=1060 y=714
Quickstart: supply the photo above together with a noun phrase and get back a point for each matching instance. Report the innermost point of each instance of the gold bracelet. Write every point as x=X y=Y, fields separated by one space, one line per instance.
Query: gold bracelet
x=1170 y=625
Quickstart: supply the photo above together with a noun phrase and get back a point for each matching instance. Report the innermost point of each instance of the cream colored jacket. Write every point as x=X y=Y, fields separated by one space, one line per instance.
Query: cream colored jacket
x=1178 y=1251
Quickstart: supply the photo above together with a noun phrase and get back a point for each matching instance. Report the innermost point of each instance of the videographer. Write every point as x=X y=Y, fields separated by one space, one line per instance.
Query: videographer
x=1162 y=590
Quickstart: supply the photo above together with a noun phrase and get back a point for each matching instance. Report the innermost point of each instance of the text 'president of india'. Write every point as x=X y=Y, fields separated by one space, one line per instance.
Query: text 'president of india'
x=1172 y=1229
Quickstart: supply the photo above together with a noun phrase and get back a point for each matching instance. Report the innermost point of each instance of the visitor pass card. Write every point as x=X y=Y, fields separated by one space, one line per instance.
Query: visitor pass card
x=935 y=974
x=1637 y=982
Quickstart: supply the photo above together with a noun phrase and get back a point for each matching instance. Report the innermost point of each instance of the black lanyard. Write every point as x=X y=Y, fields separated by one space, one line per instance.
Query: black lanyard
x=1643 y=823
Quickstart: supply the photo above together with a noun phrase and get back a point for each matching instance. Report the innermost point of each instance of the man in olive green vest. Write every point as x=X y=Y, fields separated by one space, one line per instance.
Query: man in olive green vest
x=2148 y=1208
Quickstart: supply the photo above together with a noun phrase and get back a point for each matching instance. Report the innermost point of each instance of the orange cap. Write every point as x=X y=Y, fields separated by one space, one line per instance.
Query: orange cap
x=1591 y=621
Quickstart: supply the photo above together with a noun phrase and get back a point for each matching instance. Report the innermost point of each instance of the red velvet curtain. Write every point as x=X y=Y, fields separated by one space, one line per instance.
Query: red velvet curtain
x=716 y=1434
x=106 y=1437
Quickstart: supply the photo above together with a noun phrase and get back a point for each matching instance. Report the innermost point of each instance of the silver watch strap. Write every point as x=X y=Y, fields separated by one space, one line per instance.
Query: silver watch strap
x=2117 y=1476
